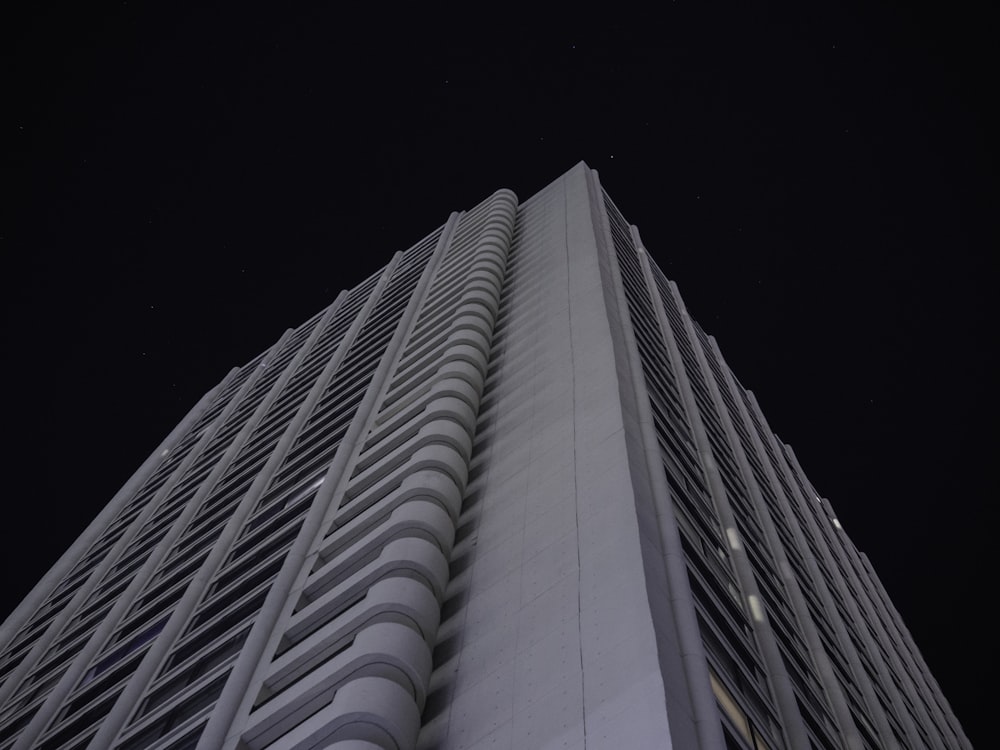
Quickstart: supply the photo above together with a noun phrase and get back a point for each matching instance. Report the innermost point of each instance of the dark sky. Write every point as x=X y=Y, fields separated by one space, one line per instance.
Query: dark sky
x=180 y=186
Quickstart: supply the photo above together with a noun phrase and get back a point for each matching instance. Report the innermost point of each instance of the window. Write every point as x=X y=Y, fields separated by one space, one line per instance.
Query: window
x=132 y=645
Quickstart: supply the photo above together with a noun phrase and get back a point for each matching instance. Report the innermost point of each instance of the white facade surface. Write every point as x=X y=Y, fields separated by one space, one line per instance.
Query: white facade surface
x=505 y=493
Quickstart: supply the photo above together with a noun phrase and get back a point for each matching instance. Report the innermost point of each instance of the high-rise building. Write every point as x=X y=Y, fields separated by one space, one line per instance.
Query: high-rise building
x=504 y=493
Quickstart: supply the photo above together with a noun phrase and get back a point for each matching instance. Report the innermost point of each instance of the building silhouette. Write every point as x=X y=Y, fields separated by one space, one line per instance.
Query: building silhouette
x=504 y=493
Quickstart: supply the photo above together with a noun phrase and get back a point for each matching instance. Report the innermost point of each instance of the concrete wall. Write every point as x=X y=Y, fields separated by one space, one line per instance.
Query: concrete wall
x=546 y=637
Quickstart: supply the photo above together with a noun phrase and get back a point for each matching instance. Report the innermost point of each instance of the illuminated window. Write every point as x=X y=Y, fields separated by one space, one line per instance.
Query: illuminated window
x=736 y=715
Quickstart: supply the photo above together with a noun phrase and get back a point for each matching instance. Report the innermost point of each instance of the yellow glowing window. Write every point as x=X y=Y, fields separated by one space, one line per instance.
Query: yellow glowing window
x=736 y=714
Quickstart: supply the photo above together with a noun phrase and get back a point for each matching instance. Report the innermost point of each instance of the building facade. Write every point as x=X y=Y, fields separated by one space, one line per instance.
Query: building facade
x=504 y=493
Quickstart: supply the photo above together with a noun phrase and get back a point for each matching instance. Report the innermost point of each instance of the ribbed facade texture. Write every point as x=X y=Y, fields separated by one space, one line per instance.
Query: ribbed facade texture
x=505 y=493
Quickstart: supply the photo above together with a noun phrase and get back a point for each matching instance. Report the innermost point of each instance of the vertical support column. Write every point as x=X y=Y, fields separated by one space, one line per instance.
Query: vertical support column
x=128 y=700
x=791 y=719
x=863 y=617
x=798 y=602
x=703 y=710
x=880 y=599
x=841 y=709
x=233 y=691
x=83 y=543
x=77 y=667
x=390 y=523
x=835 y=620
x=852 y=606
x=226 y=723
x=126 y=704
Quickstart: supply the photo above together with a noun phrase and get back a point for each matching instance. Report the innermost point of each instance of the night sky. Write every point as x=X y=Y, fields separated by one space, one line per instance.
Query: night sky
x=182 y=186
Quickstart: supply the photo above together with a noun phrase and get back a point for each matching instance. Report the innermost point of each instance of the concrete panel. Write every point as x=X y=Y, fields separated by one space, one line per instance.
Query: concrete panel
x=554 y=721
x=481 y=708
x=551 y=610
x=551 y=664
x=554 y=562
x=481 y=656
x=499 y=739
x=486 y=608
